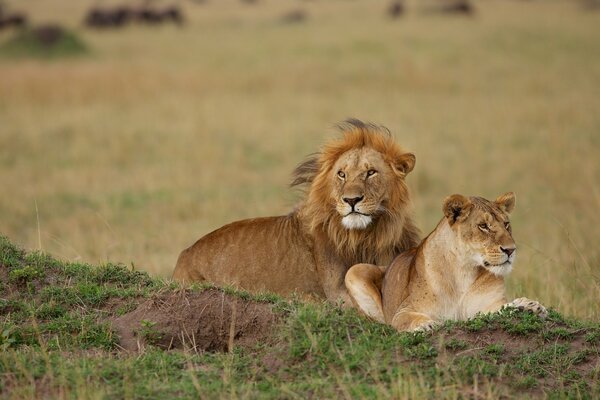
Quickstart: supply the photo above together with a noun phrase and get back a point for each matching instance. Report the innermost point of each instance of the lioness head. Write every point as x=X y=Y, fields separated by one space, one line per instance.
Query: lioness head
x=483 y=230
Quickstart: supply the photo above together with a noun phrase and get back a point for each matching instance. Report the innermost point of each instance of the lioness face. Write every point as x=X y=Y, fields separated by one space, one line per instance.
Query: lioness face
x=484 y=230
x=362 y=183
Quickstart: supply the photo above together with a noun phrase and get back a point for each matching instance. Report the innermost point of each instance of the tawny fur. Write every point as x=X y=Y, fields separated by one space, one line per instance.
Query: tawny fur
x=309 y=251
x=455 y=273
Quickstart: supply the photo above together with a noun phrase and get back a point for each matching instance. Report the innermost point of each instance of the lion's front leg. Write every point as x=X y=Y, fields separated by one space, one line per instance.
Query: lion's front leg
x=332 y=281
x=331 y=272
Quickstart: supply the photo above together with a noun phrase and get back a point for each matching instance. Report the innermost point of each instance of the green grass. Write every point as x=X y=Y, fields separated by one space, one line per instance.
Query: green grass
x=25 y=44
x=57 y=341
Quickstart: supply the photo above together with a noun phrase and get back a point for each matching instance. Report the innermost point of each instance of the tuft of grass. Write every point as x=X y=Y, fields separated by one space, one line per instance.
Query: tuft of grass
x=27 y=44
x=593 y=337
x=11 y=256
x=495 y=350
x=25 y=274
x=558 y=333
x=456 y=344
x=148 y=332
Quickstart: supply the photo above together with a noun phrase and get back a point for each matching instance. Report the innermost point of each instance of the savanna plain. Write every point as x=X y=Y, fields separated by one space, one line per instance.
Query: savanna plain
x=161 y=134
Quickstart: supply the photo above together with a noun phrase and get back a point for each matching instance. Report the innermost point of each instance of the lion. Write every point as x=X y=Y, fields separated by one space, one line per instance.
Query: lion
x=455 y=273
x=356 y=209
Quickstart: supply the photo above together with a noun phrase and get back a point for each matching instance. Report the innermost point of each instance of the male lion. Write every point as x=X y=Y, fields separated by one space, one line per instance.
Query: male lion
x=356 y=210
x=456 y=272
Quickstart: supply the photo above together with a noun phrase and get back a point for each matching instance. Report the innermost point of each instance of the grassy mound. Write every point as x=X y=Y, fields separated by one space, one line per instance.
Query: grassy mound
x=64 y=327
x=49 y=41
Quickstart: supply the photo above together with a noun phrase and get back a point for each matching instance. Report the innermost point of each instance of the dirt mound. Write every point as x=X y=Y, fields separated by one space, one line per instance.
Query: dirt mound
x=210 y=320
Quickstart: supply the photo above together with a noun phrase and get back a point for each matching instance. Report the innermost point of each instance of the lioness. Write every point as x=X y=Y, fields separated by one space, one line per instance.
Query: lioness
x=356 y=210
x=456 y=272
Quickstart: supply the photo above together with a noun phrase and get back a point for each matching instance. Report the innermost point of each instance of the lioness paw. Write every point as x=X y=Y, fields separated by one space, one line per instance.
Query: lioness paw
x=426 y=326
x=525 y=304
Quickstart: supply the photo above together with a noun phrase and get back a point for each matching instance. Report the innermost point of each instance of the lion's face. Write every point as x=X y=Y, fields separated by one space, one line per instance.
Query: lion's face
x=483 y=230
x=357 y=197
x=360 y=185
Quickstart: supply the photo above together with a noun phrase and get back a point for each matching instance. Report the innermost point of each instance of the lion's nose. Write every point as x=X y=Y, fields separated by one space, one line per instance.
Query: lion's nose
x=353 y=200
x=508 y=250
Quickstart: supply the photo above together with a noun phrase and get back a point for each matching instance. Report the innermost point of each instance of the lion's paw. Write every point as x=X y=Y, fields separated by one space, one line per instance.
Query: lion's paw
x=525 y=304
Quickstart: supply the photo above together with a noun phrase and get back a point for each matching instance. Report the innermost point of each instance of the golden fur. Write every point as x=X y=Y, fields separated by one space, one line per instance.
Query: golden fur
x=455 y=273
x=356 y=210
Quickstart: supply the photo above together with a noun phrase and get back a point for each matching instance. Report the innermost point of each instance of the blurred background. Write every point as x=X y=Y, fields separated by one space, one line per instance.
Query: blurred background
x=130 y=129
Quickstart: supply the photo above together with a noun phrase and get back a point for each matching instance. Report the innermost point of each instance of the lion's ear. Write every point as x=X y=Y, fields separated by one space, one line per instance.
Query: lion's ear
x=506 y=202
x=405 y=164
x=457 y=208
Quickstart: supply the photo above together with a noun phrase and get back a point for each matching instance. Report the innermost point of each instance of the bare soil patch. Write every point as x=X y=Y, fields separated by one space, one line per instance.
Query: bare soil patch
x=210 y=320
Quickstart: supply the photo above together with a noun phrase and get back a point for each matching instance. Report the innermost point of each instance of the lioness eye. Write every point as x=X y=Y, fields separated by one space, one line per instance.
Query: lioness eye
x=483 y=227
x=371 y=172
x=341 y=174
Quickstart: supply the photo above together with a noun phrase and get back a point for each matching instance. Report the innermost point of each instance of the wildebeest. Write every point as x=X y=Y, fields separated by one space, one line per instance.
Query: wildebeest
x=48 y=35
x=294 y=17
x=123 y=15
x=173 y=14
x=156 y=16
x=108 y=18
x=457 y=7
x=15 y=20
x=396 y=9
x=591 y=5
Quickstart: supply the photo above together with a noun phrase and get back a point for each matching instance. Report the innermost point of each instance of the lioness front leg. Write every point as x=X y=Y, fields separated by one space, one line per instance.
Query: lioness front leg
x=363 y=282
x=410 y=321
x=523 y=304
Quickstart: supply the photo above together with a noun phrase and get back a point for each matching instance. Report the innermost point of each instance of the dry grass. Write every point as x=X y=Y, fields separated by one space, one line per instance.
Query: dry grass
x=162 y=135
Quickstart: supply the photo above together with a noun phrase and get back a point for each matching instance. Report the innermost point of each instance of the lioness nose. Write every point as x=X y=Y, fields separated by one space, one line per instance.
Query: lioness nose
x=353 y=200
x=508 y=250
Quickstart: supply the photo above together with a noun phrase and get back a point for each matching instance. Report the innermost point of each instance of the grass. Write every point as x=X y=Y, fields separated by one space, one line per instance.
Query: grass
x=57 y=342
x=26 y=44
x=160 y=136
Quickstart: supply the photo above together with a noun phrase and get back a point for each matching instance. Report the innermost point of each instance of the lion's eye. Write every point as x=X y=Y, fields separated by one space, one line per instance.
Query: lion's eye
x=507 y=225
x=371 y=172
x=341 y=174
x=484 y=227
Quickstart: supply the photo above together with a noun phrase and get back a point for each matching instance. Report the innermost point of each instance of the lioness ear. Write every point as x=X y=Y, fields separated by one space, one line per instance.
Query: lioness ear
x=506 y=202
x=457 y=208
x=405 y=164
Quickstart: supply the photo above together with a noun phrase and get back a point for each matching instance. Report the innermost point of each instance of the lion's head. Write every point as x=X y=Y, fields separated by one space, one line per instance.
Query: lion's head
x=357 y=191
x=483 y=230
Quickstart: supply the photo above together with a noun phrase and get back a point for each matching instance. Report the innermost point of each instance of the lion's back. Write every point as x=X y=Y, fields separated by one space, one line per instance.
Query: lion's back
x=259 y=254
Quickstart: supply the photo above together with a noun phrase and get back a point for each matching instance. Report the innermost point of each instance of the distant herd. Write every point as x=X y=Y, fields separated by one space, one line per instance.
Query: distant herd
x=124 y=15
x=107 y=17
x=112 y=17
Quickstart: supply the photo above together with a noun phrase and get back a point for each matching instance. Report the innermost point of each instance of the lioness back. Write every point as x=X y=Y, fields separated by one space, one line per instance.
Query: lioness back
x=279 y=249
